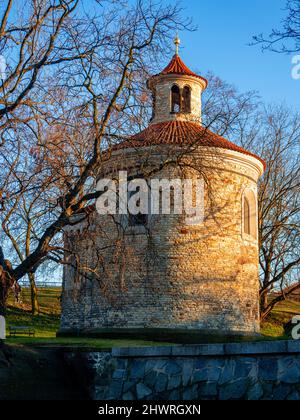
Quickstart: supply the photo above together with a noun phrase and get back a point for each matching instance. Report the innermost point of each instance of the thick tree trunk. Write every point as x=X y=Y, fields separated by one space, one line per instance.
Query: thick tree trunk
x=35 y=307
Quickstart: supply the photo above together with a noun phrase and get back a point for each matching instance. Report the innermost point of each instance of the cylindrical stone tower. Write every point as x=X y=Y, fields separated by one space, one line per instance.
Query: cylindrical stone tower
x=157 y=271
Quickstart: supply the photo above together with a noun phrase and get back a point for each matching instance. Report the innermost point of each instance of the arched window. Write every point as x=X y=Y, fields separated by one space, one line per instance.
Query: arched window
x=186 y=99
x=139 y=219
x=249 y=219
x=176 y=102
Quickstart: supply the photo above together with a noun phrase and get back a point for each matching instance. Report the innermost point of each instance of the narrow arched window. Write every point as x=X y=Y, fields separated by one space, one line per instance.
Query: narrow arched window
x=186 y=99
x=139 y=218
x=246 y=216
x=176 y=102
x=249 y=208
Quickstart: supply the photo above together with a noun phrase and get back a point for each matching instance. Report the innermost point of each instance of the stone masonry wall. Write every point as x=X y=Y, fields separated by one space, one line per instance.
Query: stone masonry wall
x=163 y=97
x=169 y=275
x=253 y=371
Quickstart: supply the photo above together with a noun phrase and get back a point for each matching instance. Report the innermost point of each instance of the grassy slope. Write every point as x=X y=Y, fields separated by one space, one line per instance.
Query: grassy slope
x=281 y=315
x=47 y=323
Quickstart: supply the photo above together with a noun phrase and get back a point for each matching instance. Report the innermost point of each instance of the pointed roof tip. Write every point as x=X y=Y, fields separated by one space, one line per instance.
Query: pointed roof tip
x=177 y=44
x=177 y=66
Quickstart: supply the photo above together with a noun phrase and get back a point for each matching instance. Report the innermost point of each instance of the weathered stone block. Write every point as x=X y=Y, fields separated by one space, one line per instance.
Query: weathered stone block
x=234 y=390
x=137 y=369
x=190 y=393
x=173 y=368
x=281 y=392
x=207 y=374
x=294 y=396
x=255 y=392
x=175 y=395
x=142 y=391
x=174 y=382
x=242 y=368
x=187 y=371
x=128 y=396
x=161 y=382
x=268 y=369
x=119 y=374
x=208 y=390
x=288 y=370
x=115 y=390
x=150 y=379
x=227 y=373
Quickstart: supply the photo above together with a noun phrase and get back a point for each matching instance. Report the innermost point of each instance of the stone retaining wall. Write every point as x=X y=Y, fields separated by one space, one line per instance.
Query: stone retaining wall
x=248 y=371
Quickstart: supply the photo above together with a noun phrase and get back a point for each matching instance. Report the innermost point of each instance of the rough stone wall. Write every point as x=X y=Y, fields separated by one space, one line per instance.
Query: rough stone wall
x=163 y=97
x=169 y=275
x=261 y=371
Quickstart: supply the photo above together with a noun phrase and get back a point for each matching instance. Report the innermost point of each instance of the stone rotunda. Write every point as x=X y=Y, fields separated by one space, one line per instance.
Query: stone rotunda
x=155 y=271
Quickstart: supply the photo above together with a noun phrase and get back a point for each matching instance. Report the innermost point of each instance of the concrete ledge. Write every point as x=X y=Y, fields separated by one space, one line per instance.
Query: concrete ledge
x=252 y=348
x=263 y=347
x=142 y=351
x=293 y=346
x=200 y=350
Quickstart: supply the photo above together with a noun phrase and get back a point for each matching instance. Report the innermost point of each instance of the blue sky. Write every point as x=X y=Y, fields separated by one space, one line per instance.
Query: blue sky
x=220 y=44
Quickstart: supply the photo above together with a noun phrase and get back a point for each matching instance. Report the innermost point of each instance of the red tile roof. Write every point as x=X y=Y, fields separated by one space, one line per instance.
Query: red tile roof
x=177 y=66
x=182 y=133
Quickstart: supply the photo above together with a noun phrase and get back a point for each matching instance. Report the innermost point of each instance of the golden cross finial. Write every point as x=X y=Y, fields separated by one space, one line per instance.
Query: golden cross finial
x=177 y=43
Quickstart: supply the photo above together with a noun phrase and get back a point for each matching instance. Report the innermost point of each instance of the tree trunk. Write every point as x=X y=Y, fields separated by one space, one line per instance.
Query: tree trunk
x=35 y=307
x=6 y=282
x=263 y=303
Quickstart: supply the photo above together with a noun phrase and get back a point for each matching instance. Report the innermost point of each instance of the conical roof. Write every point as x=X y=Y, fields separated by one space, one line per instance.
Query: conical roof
x=181 y=133
x=177 y=67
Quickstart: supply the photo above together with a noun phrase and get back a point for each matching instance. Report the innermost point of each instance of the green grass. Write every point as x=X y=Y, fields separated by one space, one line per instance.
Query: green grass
x=282 y=314
x=46 y=324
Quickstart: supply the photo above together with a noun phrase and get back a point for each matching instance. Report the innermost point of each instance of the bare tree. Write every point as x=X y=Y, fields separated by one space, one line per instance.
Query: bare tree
x=287 y=38
x=20 y=225
x=95 y=61
x=274 y=133
x=279 y=211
